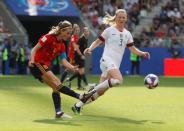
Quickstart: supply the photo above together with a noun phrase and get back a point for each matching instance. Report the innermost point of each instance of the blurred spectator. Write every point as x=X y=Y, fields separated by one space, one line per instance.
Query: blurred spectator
x=94 y=10
x=1 y=50
x=13 y=55
x=143 y=12
x=21 y=60
x=27 y=56
x=5 y=55
x=167 y=27
x=181 y=5
x=175 y=49
x=135 y=60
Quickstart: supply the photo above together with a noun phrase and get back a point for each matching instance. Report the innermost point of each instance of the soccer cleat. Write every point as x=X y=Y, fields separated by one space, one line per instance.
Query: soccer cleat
x=87 y=96
x=63 y=115
x=91 y=89
x=76 y=110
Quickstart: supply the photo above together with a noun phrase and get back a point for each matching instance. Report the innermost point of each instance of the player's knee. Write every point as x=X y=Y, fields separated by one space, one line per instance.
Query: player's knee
x=57 y=87
x=115 y=82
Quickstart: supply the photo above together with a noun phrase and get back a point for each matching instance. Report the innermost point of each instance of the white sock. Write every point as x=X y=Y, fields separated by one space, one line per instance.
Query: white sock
x=104 y=84
x=79 y=104
x=59 y=112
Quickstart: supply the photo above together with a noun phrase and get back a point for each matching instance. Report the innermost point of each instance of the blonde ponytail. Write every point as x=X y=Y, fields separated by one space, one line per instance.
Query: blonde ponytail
x=55 y=30
x=62 y=26
x=110 y=20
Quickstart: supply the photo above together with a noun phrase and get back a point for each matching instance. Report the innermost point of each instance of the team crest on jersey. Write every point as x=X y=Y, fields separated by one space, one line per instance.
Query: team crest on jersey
x=44 y=39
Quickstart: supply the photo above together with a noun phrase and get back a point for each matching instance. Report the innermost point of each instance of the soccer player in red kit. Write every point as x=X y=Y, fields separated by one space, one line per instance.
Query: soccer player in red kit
x=71 y=53
x=48 y=47
x=73 y=41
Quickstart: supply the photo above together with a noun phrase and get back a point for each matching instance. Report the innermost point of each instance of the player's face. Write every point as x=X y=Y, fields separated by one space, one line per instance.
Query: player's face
x=76 y=30
x=121 y=18
x=66 y=33
x=86 y=32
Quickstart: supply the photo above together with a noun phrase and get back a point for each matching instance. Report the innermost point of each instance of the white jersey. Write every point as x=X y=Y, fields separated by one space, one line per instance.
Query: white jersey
x=115 y=43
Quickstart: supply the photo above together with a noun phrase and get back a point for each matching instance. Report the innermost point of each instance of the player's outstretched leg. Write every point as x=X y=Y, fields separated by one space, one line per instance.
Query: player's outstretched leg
x=98 y=91
x=86 y=97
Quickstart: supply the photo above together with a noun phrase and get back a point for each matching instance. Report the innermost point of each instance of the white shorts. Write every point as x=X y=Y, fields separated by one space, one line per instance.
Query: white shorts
x=105 y=66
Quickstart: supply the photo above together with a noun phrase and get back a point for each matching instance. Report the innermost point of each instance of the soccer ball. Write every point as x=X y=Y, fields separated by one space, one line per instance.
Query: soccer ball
x=151 y=81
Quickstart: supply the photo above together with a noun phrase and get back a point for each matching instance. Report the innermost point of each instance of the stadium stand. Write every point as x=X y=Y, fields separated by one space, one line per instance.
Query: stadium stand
x=141 y=13
x=12 y=24
x=12 y=33
x=94 y=10
x=167 y=28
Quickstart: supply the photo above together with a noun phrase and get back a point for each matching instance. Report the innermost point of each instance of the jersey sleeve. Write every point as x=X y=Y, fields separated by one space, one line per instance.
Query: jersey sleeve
x=130 y=41
x=104 y=36
x=63 y=55
x=45 y=40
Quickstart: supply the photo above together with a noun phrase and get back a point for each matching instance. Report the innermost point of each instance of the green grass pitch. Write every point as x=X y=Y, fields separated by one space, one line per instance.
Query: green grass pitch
x=26 y=105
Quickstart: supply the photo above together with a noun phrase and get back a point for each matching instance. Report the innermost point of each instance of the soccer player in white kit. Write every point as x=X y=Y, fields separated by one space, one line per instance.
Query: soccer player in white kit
x=115 y=39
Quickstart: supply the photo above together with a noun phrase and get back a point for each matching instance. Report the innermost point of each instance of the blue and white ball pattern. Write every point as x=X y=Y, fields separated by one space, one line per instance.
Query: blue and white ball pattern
x=151 y=81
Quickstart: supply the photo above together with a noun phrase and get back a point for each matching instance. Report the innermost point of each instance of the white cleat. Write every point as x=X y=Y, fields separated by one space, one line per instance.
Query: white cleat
x=66 y=116
x=63 y=115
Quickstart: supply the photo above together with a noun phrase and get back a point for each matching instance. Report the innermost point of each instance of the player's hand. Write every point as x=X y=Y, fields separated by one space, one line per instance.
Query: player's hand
x=31 y=64
x=146 y=55
x=74 y=69
x=82 y=57
x=87 y=51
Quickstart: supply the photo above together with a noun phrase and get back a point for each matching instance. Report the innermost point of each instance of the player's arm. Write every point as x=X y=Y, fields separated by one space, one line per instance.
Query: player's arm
x=138 y=52
x=66 y=64
x=76 y=47
x=33 y=52
x=95 y=44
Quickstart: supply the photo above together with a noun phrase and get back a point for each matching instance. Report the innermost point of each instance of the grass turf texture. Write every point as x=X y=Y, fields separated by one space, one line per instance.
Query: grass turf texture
x=26 y=105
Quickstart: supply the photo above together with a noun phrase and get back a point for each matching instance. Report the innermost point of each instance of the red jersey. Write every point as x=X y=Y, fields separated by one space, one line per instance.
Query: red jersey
x=51 y=48
x=71 y=51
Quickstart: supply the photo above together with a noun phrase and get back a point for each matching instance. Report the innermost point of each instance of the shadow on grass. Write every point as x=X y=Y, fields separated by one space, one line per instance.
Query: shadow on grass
x=98 y=119
x=57 y=121
x=119 y=119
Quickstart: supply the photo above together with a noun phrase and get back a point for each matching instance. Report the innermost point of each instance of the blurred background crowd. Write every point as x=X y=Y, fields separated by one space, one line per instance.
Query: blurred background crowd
x=152 y=24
